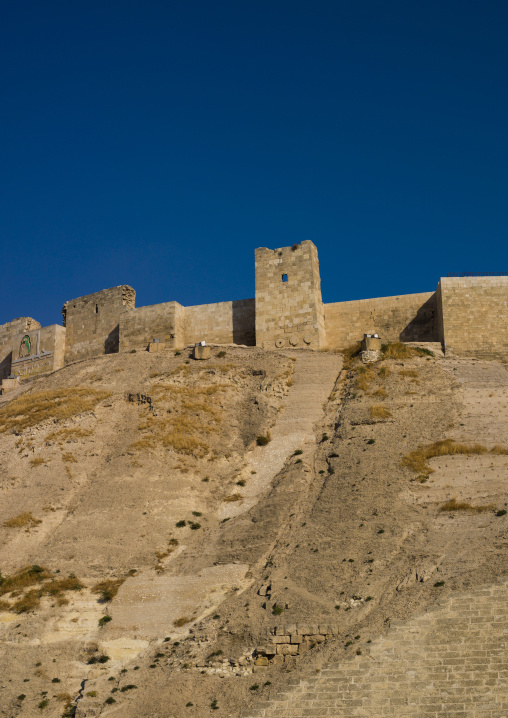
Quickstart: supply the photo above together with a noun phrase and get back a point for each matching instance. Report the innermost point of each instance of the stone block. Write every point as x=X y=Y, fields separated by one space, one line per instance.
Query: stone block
x=296 y=639
x=156 y=347
x=287 y=649
x=201 y=352
x=277 y=660
x=281 y=639
x=261 y=661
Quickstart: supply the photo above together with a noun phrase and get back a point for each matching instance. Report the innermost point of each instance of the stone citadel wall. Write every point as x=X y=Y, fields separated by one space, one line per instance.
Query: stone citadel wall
x=468 y=315
x=406 y=318
x=7 y=333
x=450 y=662
x=289 y=308
x=473 y=315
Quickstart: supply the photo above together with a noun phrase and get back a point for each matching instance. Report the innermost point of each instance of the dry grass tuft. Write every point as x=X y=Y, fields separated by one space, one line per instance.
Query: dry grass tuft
x=501 y=450
x=398 y=350
x=384 y=372
x=362 y=381
x=67 y=435
x=107 y=588
x=350 y=353
x=409 y=373
x=28 y=602
x=24 y=519
x=24 y=578
x=454 y=505
x=380 y=392
x=417 y=460
x=233 y=497
x=181 y=621
x=379 y=412
x=37 y=461
x=189 y=419
x=57 y=404
x=69 y=458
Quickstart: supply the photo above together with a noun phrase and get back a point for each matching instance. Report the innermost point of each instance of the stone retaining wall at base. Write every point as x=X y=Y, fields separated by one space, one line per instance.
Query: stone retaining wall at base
x=451 y=662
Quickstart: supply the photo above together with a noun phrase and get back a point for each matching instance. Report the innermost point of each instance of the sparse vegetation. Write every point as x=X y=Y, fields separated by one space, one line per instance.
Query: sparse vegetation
x=190 y=420
x=104 y=620
x=98 y=659
x=398 y=350
x=232 y=497
x=454 y=505
x=221 y=354
x=377 y=411
x=417 y=460
x=57 y=404
x=181 y=621
x=263 y=440
x=66 y=435
x=22 y=520
x=107 y=589
x=37 y=461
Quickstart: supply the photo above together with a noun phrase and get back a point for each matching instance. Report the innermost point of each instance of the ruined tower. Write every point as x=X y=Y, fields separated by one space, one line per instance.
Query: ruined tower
x=289 y=308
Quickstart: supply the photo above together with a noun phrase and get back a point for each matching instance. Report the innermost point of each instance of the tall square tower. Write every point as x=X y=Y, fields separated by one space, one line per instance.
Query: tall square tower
x=289 y=307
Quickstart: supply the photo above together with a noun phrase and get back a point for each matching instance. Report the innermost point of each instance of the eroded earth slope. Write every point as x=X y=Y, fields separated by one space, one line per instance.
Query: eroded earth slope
x=150 y=548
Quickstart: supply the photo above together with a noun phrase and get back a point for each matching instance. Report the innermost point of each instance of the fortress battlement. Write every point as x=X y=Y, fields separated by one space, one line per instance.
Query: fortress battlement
x=468 y=315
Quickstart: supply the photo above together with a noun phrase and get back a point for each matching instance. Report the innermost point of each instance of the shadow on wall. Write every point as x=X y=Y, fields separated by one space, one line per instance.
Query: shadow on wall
x=244 y=322
x=112 y=343
x=5 y=366
x=423 y=327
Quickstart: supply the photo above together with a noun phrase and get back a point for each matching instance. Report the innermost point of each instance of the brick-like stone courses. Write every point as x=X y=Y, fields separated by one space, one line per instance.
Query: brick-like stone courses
x=221 y=323
x=7 y=333
x=138 y=327
x=93 y=322
x=474 y=315
x=284 y=642
x=289 y=308
x=407 y=318
x=451 y=662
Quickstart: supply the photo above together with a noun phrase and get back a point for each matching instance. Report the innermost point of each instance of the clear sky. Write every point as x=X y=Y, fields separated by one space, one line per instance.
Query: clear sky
x=156 y=143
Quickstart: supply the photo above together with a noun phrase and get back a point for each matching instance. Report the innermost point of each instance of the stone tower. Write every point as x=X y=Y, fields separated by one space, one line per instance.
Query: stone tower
x=289 y=308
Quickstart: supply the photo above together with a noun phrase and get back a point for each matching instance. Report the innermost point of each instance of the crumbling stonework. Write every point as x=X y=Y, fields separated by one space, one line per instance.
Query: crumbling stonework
x=93 y=322
x=283 y=642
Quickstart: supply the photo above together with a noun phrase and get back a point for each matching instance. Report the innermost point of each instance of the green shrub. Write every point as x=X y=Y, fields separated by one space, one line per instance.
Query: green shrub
x=263 y=440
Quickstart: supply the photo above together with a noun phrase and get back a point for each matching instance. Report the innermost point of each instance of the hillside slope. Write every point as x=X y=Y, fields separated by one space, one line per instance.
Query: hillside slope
x=207 y=544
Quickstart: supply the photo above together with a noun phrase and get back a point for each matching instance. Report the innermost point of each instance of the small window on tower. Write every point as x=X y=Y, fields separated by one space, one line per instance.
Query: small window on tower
x=96 y=308
x=284 y=277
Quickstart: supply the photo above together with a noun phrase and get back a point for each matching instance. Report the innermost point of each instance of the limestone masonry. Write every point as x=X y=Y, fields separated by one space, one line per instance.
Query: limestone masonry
x=468 y=315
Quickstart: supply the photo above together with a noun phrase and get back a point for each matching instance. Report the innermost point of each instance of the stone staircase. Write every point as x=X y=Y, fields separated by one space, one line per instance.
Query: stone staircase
x=451 y=662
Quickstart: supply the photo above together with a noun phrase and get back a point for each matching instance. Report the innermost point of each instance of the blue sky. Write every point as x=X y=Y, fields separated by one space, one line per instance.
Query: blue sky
x=157 y=143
